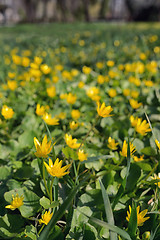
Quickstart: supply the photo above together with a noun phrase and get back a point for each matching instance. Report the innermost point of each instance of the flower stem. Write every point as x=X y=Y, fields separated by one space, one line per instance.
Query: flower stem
x=41 y=229
x=56 y=190
x=44 y=179
x=51 y=186
x=76 y=173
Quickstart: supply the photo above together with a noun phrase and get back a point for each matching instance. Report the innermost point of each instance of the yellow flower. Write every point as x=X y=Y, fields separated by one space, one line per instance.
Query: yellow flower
x=11 y=75
x=7 y=112
x=86 y=70
x=55 y=79
x=46 y=217
x=12 y=85
x=157 y=178
x=16 y=59
x=75 y=114
x=73 y=125
x=45 y=69
x=142 y=127
x=134 y=120
x=81 y=84
x=42 y=150
x=100 y=79
x=51 y=91
x=126 y=92
x=110 y=63
x=16 y=202
x=134 y=94
x=100 y=65
x=81 y=155
x=38 y=60
x=157 y=143
x=40 y=110
x=112 y=144
x=134 y=104
x=72 y=143
x=25 y=61
x=104 y=111
x=49 y=120
x=112 y=92
x=71 y=98
x=61 y=115
x=93 y=92
x=140 y=215
x=56 y=169
x=63 y=96
x=136 y=159
x=124 y=149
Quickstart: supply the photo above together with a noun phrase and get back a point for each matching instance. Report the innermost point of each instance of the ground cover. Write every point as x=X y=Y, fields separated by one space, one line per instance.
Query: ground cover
x=80 y=131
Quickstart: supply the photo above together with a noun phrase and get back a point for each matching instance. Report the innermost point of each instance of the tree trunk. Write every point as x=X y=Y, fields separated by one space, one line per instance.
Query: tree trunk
x=86 y=10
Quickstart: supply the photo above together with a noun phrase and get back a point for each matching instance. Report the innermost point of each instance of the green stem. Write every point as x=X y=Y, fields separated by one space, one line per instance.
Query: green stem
x=44 y=179
x=41 y=229
x=51 y=186
x=56 y=190
x=75 y=171
x=92 y=127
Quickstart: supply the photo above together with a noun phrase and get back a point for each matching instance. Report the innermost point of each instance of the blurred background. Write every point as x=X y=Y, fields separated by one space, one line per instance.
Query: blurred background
x=21 y=11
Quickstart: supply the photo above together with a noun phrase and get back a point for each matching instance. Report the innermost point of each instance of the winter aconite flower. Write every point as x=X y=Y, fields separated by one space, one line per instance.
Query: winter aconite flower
x=42 y=150
x=134 y=120
x=157 y=143
x=142 y=127
x=157 y=177
x=7 y=112
x=16 y=202
x=104 y=111
x=138 y=159
x=134 y=104
x=40 y=110
x=140 y=215
x=72 y=143
x=49 y=120
x=46 y=217
x=112 y=144
x=56 y=169
x=82 y=156
x=124 y=149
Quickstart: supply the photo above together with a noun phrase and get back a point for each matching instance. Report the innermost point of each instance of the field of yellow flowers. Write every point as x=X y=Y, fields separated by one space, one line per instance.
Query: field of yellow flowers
x=80 y=132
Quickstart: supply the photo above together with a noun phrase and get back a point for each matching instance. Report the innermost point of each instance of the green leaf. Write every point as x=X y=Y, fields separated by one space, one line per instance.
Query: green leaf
x=149 y=151
x=4 y=172
x=134 y=174
x=26 y=139
x=30 y=232
x=108 y=210
x=132 y=225
x=93 y=159
x=10 y=225
x=69 y=153
x=144 y=166
x=45 y=202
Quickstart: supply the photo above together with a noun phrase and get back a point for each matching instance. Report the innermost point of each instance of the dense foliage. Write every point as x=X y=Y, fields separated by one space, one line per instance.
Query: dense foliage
x=80 y=132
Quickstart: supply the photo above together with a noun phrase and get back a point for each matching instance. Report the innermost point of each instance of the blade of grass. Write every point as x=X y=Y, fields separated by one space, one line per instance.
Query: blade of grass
x=44 y=235
x=153 y=233
x=108 y=210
